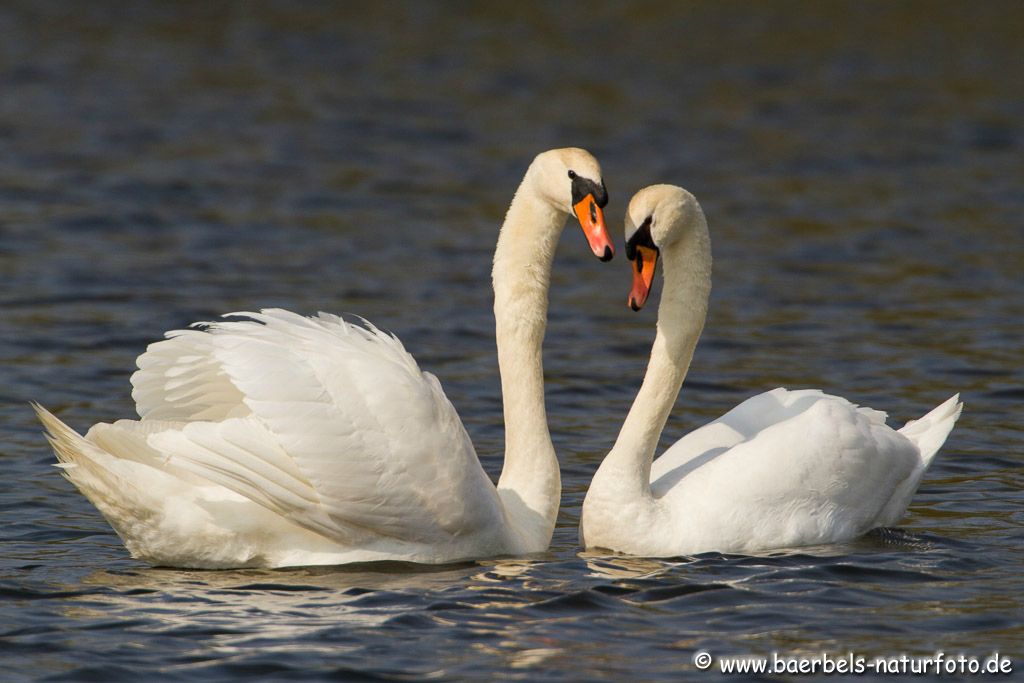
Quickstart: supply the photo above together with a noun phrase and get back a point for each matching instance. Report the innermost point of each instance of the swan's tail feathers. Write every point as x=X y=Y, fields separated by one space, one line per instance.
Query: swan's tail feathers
x=63 y=439
x=930 y=432
x=82 y=463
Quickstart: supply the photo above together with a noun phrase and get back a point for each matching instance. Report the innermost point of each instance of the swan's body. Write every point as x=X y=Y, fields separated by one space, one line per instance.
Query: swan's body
x=782 y=469
x=283 y=440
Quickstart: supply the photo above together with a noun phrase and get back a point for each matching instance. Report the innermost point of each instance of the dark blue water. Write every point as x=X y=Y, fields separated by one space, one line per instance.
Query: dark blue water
x=860 y=166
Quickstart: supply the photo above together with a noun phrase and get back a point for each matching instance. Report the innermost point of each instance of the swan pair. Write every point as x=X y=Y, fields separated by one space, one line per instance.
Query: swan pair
x=279 y=440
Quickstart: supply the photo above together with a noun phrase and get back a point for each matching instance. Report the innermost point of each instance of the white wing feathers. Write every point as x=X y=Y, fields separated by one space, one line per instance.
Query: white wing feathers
x=745 y=422
x=328 y=423
x=180 y=379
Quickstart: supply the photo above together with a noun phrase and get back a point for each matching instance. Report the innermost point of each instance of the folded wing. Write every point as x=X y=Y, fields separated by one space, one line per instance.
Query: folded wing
x=328 y=423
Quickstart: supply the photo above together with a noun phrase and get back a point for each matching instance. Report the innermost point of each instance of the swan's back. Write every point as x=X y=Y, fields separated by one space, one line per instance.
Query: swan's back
x=789 y=468
x=326 y=424
x=743 y=423
x=337 y=416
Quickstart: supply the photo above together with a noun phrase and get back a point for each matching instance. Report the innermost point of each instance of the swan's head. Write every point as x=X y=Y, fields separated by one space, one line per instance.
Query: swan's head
x=570 y=180
x=657 y=217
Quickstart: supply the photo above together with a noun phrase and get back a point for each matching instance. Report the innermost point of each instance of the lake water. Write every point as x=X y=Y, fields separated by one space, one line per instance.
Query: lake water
x=860 y=167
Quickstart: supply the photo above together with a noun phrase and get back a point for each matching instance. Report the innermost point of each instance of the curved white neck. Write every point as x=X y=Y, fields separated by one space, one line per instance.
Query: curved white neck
x=681 y=314
x=530 y=485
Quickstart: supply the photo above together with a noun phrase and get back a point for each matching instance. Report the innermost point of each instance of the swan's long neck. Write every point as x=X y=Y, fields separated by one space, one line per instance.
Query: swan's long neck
x=681 y=314
x=530 y=484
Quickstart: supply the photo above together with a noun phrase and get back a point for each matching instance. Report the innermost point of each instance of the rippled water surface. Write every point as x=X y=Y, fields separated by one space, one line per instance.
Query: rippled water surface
x=860 y=166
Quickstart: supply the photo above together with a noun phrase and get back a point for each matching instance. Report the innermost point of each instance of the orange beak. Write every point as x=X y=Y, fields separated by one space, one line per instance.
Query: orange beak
x=643 y=275
x=592 y=221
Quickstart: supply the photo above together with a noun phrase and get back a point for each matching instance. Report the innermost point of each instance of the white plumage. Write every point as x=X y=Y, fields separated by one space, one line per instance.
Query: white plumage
x=343 y=435
x=320 y=440
x=275 y=439
x=782 y=469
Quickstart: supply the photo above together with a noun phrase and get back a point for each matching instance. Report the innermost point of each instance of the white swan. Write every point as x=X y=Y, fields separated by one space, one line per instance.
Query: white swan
x=782 y=469
x=284 y=440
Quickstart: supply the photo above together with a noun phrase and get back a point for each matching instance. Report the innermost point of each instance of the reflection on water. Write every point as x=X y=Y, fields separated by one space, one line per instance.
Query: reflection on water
x=624 y=566
x=860 y=168
x=554 y=614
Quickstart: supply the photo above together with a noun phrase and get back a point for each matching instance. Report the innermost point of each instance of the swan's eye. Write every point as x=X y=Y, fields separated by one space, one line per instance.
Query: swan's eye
x=572 y=175
x=640 y=238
